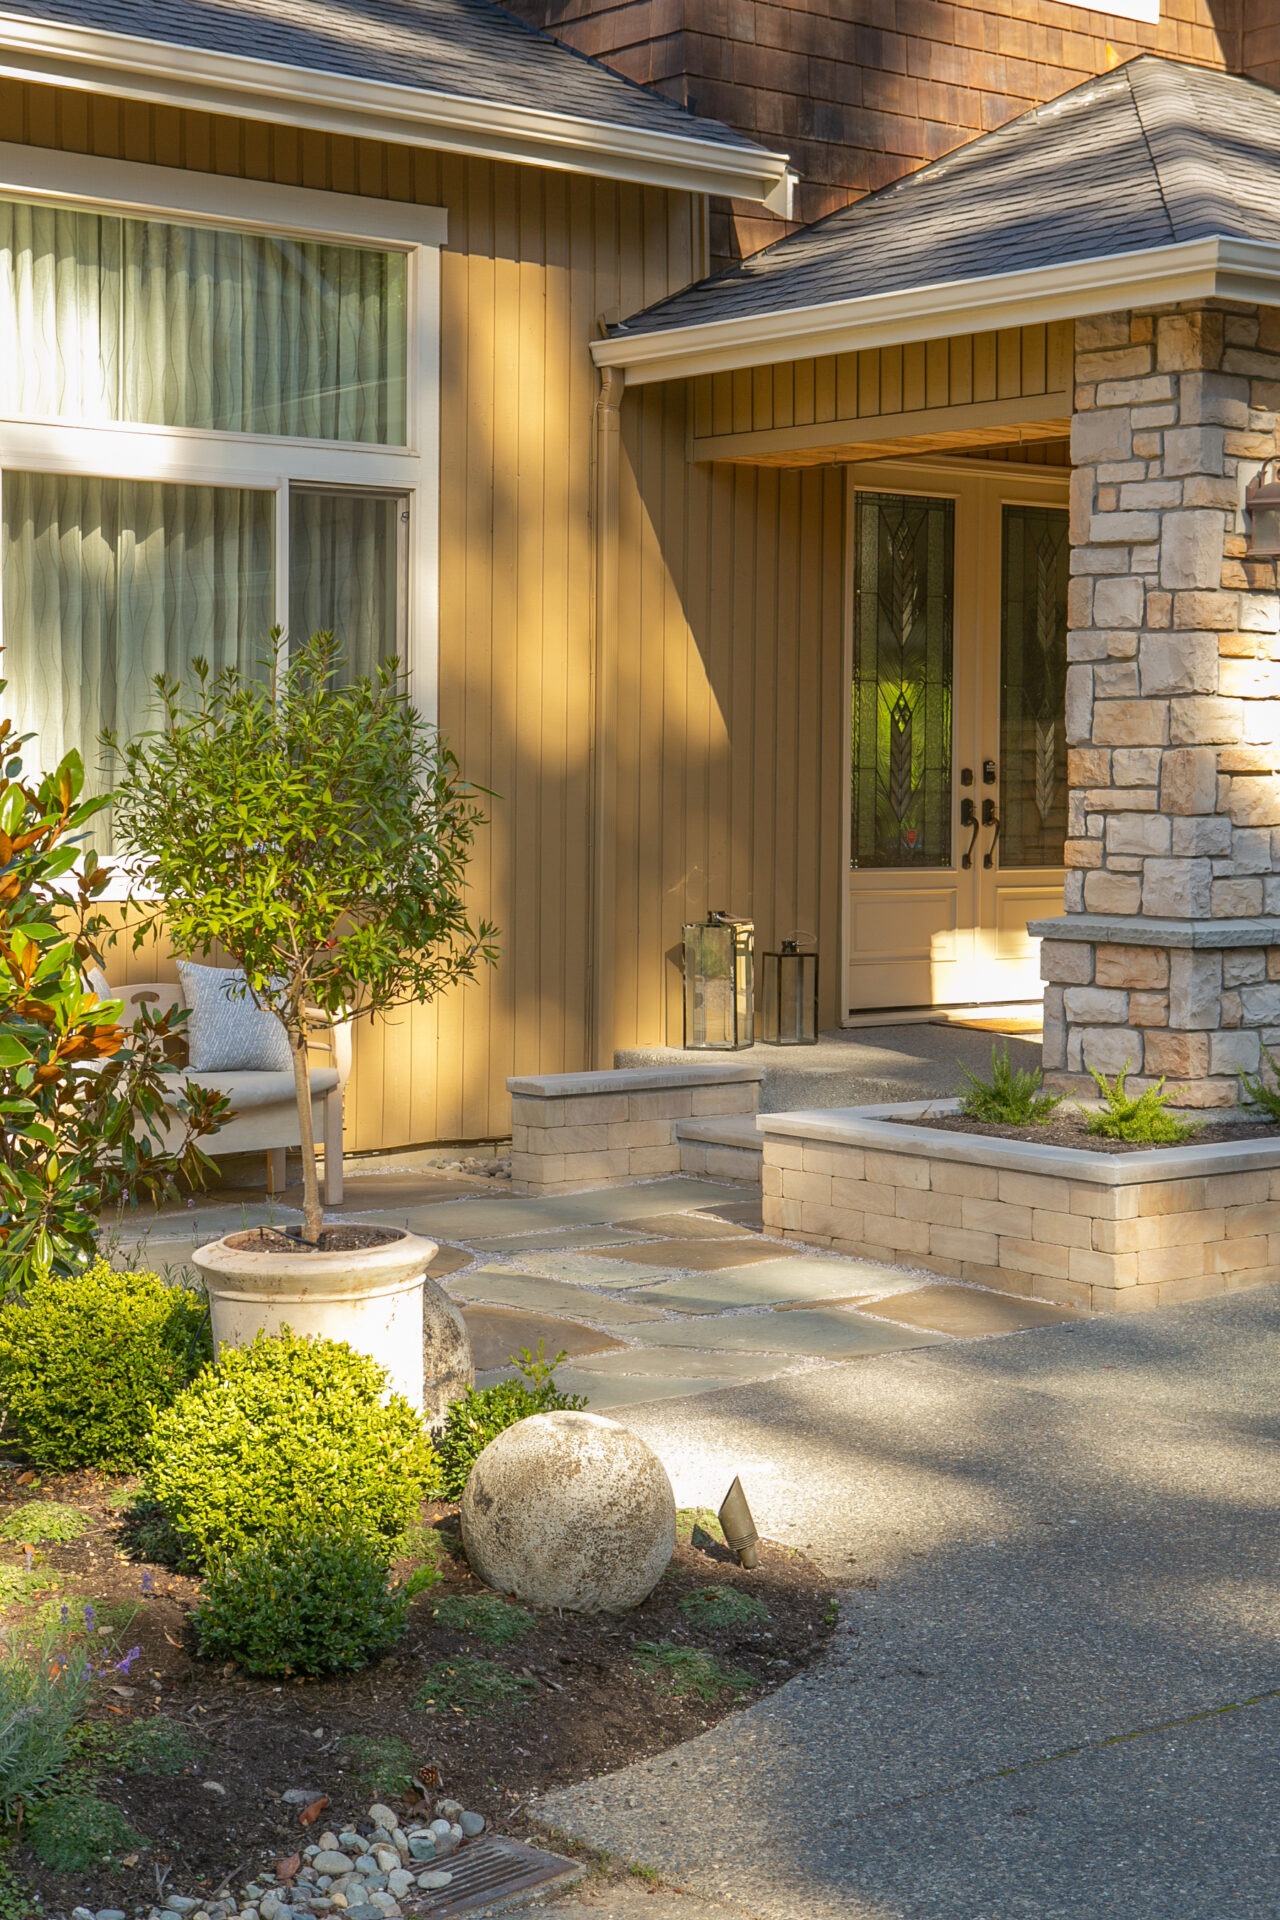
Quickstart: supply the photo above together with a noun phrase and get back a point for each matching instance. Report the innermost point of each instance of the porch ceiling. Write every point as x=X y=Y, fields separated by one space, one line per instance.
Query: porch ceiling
x=1154 y=183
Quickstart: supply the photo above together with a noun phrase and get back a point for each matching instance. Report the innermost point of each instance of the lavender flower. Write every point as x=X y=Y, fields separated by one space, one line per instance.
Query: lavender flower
x=123 y=1666
x=66 y=1614
x=148 y=1583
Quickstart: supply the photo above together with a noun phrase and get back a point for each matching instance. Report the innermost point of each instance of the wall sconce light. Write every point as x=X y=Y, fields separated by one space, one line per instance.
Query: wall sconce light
x=789 y=995
x=719 y=982
x=1262 y=508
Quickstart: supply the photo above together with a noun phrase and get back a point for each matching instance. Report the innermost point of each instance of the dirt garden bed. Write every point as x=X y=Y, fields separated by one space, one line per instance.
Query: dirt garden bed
x=1069 y=1130
x=199 y=1759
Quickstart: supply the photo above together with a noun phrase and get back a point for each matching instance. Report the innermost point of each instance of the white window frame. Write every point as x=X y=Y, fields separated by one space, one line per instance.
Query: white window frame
x=202 y=457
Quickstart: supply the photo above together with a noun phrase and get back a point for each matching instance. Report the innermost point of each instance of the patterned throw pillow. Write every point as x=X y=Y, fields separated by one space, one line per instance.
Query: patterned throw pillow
x=226 y=1032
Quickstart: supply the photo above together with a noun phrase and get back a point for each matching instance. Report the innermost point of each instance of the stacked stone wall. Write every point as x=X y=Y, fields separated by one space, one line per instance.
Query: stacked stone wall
x=1165 y=963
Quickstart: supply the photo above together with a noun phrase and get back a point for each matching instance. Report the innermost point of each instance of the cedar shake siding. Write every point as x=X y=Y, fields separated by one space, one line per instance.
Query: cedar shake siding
x=859 y=92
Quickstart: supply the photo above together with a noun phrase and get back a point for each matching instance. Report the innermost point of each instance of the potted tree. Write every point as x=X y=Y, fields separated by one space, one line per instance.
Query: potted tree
x=316 y=835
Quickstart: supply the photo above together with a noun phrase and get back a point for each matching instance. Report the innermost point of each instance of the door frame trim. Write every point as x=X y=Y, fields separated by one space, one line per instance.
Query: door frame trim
x=925 y=475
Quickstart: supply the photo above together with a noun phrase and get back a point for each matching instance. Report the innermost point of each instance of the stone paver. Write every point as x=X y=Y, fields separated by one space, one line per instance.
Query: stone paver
x=563 y=1239
x=1054 y=1692
x=834 y=1333
x=687 y=1226
x=968 y=1311
x=793 y=1278
x=508 y=1287
x=589 y=1269
x=698 y=1255
x=498 y=1333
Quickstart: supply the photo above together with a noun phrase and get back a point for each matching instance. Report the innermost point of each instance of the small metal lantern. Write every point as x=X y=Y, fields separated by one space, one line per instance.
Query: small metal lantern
x=789 y=996
x=1262 y=504
x=719 y=982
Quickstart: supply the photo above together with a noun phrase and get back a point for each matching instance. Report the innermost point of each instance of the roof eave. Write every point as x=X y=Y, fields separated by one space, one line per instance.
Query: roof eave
x=1217 y=267
x=163 y=73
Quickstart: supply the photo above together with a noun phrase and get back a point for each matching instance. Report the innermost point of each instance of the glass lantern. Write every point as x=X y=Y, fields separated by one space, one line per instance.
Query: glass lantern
x=719 y=982
x=789 y=996
x=1262 y=505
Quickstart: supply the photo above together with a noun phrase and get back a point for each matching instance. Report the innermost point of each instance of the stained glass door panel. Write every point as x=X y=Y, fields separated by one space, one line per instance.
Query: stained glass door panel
x=902 y=682
x=1033 y=678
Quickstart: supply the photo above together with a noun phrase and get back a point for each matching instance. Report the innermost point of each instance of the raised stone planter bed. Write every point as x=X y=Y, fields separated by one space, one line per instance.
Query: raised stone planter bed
x=1110 y=1233
x=575 y=1130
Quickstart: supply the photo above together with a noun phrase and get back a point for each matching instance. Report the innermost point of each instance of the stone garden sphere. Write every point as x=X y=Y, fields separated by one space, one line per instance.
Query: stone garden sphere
x=569 y=1510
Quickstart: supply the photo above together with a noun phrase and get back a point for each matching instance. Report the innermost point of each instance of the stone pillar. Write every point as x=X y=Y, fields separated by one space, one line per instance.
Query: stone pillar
x=1168 y=958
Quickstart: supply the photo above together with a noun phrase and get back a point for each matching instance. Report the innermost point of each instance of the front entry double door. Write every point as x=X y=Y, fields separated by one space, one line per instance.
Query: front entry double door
x=958 y=785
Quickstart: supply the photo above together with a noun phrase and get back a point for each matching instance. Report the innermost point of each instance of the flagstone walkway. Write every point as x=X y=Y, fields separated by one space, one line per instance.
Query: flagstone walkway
x=654 y=1290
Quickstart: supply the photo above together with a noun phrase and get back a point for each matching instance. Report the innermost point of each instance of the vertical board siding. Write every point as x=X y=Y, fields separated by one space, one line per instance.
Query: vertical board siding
x=1010 y=364
x=729 y=694
x=730 y=708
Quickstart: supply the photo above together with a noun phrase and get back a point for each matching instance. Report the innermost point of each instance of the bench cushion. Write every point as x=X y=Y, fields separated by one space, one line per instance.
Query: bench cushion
x=261 y=1089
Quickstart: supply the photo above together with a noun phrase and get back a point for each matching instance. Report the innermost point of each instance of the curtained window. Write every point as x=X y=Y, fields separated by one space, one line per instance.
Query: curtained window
x=210 y=434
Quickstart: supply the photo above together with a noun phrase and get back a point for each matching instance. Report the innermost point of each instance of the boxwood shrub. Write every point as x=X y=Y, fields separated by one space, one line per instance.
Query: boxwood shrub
x=285 y=1434
x=304 y=1602
x=88 y=1359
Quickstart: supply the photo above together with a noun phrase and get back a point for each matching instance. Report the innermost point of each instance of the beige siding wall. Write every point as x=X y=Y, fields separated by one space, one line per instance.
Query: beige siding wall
x=533 y=259
x=731 y=708
x=886 y=383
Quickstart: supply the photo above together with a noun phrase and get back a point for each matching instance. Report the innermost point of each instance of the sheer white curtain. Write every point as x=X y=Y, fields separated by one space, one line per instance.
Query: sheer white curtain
x=346 y=573
x=103 y=318
x=109 y=582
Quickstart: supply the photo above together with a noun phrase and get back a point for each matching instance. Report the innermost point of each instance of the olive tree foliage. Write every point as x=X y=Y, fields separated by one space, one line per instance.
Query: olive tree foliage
x=89 y=1113
x=317 y=835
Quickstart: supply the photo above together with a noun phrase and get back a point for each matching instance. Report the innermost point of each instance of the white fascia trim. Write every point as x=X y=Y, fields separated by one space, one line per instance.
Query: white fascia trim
x=178 y=76
x=1188 y=270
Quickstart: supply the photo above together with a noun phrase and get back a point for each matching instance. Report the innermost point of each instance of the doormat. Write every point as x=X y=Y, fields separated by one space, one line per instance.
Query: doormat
x=997 y=1023
x=493 y=1874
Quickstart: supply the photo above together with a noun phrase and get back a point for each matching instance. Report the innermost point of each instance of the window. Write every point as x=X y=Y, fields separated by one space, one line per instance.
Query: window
x=215 y=416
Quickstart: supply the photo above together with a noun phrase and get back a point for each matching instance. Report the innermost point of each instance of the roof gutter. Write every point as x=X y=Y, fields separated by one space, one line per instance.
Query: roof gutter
x=164 y=74
x=1220 y=268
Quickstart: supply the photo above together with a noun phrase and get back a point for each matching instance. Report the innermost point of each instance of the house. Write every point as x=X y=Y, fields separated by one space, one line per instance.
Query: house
x=398 y=315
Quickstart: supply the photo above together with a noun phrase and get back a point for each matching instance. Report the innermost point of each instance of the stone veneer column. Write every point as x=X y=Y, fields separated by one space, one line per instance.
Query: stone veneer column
x=1167 y=960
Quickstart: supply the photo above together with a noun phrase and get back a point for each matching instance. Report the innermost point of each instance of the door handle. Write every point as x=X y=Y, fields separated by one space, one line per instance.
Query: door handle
x=990 y=818
x=968 y=818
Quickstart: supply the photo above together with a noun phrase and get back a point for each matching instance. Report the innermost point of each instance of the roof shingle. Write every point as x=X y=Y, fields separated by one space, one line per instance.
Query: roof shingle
x=1150 y=154
x=467 y=49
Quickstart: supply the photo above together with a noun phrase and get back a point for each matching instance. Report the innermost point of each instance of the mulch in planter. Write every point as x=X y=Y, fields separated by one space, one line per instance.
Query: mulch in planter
x=579 y=1702
x=1068 y=1130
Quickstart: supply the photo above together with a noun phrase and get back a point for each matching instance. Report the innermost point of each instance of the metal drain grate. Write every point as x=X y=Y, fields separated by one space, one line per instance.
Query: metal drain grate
x=490 y=1873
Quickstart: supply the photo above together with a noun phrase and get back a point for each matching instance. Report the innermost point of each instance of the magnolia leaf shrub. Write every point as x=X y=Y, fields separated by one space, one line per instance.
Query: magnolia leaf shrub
x=88 y=1359
x=90 y=1114
x=317 y=834
x=283 y=1434
x=302 y=1602
x=482 y=1413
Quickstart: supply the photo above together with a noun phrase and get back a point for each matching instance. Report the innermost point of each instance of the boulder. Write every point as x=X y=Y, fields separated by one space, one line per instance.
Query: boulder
x=569 y=1510
x=447 y=1371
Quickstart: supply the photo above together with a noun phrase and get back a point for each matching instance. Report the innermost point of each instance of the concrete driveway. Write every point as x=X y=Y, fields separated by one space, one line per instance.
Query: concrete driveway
x=1055 y=1694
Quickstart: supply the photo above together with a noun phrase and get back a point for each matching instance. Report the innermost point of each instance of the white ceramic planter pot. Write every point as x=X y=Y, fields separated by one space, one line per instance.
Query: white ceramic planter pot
x=371 y=1297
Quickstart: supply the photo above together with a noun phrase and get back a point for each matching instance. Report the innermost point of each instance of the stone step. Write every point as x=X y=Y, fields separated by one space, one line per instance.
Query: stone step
x=721 y=1147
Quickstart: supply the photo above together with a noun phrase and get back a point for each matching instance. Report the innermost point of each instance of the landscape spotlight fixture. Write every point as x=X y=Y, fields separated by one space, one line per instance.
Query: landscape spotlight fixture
x=739 y=1527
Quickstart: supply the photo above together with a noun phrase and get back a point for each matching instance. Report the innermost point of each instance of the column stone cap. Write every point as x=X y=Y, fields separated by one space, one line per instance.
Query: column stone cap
x=1137 y=930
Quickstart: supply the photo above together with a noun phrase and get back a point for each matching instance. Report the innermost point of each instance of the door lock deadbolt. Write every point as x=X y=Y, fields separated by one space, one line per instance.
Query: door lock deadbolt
x=966 y=776
x=988 y=773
